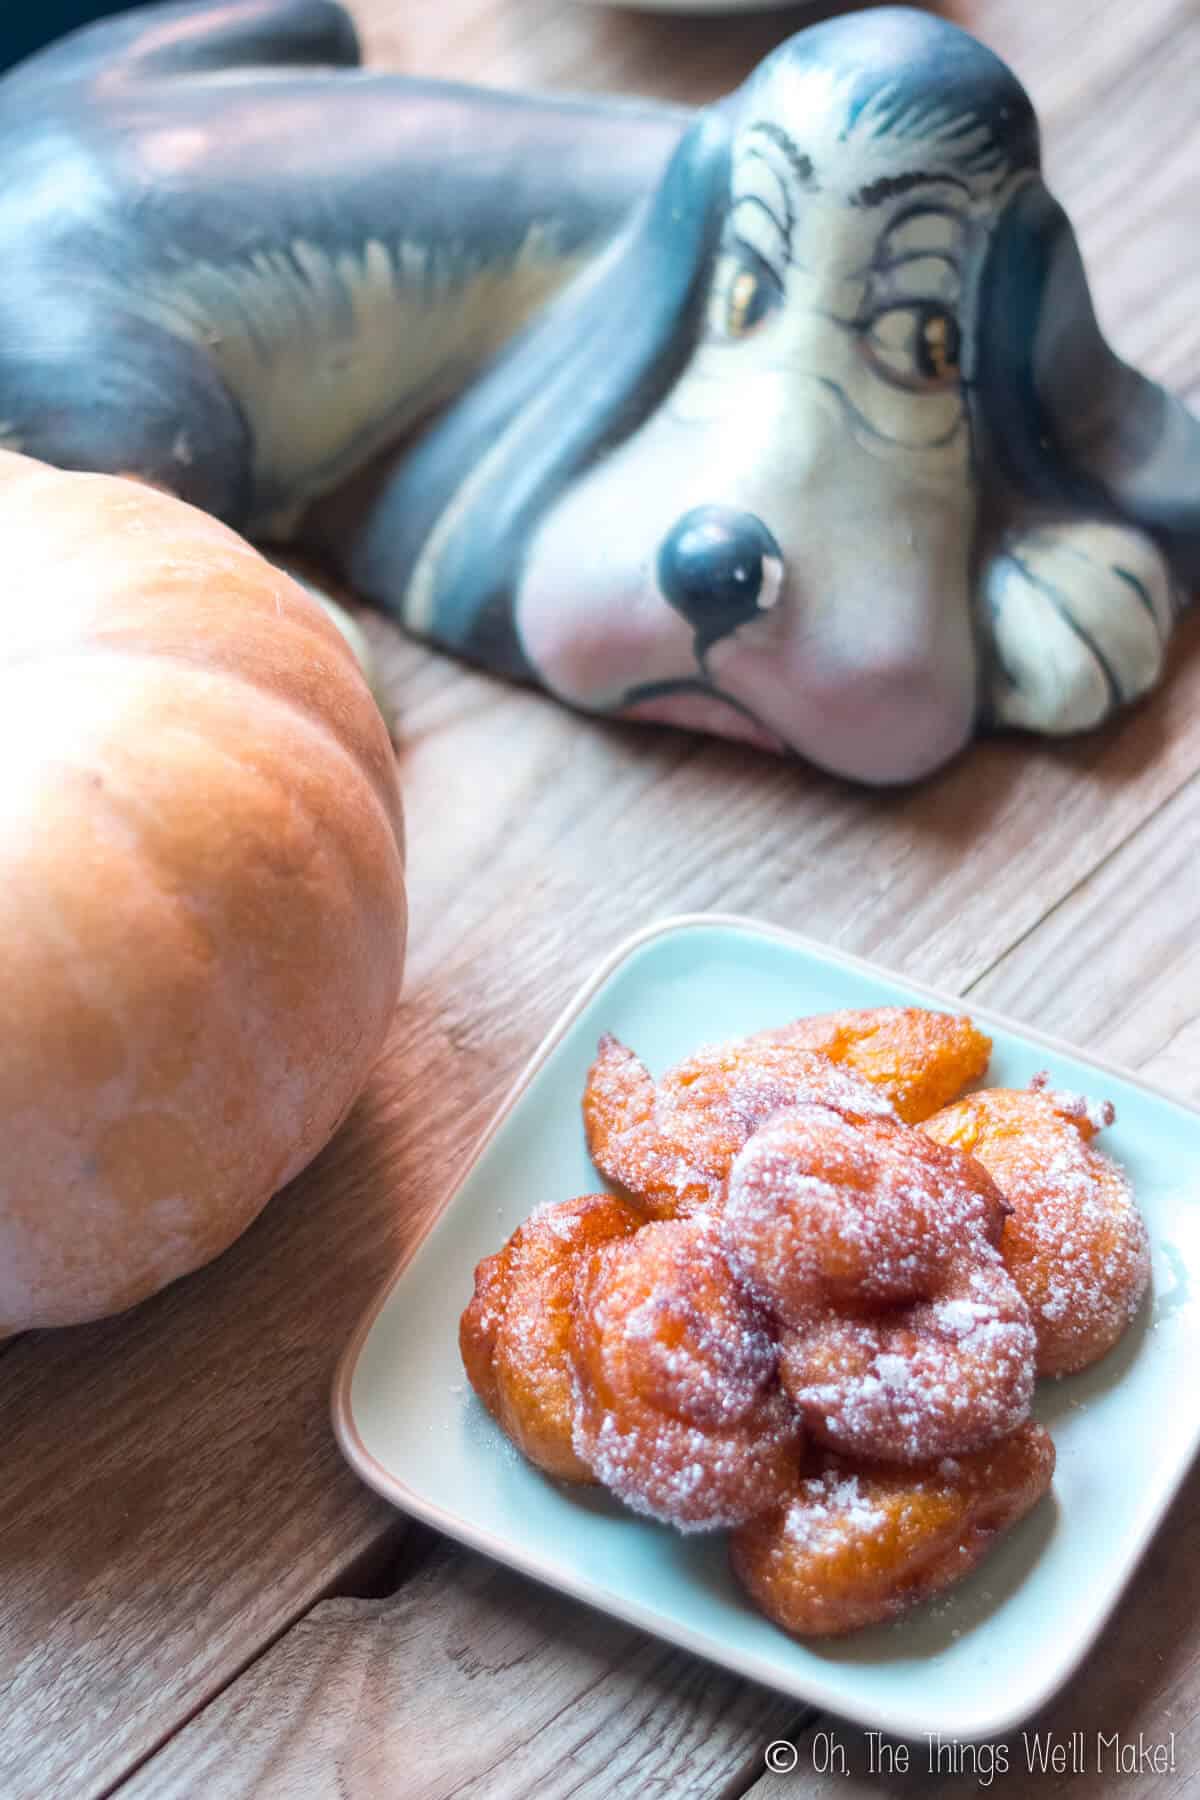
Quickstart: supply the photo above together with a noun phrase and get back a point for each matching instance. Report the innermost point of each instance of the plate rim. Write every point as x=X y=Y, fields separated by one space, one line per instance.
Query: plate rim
x=997 y=1723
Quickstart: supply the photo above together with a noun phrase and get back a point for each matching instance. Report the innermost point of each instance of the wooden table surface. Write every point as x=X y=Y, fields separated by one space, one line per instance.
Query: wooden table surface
x=197 y=1597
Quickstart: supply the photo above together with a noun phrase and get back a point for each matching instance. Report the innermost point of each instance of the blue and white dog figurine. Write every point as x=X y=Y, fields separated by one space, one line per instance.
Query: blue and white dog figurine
x=788 y=419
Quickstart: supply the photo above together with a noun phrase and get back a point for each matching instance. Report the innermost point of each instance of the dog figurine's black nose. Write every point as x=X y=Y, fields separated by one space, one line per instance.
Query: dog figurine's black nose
x=719 y=568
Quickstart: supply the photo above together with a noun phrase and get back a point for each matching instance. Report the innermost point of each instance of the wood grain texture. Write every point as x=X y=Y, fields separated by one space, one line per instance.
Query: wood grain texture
x=1095 y=973
x=472 y=1682
x=174 y=1499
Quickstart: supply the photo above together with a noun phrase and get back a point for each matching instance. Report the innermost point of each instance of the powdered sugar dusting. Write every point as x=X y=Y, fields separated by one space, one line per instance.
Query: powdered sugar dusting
x=1078 y=1246
x=672 y=1145
x=677 y=1405
x=929 y=1381
x=822 y=1210
x=1075 y=1242
x=856 y=1544
x=513 y=1334
x=905 y=1336
x=830 y=1509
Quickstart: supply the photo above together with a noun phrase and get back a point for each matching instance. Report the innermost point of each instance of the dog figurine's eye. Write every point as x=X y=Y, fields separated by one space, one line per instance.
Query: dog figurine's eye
x=915 y=346
x=750 y=294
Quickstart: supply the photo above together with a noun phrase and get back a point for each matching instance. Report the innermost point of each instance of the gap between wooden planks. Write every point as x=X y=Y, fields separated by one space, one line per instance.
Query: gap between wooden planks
x=474 y=1683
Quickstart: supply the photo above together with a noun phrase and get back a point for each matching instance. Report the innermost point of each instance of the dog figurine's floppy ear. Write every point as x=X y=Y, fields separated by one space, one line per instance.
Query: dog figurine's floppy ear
x=1069 y=421
x=1101 y=531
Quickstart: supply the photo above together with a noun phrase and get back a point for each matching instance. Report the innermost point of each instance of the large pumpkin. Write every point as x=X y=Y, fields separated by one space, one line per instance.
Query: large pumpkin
x=201 y=889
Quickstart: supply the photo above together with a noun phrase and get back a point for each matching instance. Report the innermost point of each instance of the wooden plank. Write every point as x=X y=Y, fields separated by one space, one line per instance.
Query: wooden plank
x=937 y=881
x=476 y=1683
x=1128 y=209
x=177 y=1500
x=1116 y=965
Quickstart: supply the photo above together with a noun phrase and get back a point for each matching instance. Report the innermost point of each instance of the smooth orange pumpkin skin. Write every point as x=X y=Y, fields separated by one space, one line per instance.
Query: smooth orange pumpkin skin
x=202 y=907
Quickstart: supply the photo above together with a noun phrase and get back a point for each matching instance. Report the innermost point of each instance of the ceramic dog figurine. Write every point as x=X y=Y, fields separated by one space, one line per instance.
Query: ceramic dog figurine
x=788 y=419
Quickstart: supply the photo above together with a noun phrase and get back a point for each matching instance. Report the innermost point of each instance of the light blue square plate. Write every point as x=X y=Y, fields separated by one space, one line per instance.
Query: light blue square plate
x=975 y=1662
